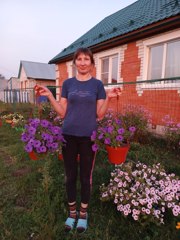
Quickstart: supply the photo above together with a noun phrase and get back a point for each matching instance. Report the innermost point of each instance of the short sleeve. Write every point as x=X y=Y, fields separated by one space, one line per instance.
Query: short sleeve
x=101 y=94
x=64 y=92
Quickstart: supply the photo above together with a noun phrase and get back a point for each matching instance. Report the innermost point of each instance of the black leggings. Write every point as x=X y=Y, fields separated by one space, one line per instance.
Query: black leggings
x=74 y=146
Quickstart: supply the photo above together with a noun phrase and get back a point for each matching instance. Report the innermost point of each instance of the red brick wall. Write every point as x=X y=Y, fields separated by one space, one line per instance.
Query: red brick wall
x=158 y=102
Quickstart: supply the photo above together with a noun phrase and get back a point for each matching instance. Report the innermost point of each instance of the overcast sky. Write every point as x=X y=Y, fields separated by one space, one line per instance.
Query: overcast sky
x=37 y=30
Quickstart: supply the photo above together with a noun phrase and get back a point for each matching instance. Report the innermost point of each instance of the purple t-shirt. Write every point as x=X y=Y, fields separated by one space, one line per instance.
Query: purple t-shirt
x=82 y=96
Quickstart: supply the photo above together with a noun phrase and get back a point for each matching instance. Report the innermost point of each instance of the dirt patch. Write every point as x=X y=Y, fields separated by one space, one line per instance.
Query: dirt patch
x=8 y=160
x=22 y=171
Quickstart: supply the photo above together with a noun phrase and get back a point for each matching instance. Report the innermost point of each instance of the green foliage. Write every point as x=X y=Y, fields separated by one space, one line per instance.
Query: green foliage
x=33 y=198
x=172 y=133
x=138 y=117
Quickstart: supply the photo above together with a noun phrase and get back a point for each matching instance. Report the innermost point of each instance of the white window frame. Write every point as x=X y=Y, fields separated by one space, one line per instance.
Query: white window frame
x=109 y=54
x=70 y=66
x=163 y=38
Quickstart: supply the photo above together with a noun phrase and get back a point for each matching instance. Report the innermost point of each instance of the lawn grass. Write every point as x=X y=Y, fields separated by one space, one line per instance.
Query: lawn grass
x=33 y=201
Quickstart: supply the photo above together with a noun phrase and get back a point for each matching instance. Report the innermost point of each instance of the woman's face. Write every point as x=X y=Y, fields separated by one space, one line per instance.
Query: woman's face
x=83 y=64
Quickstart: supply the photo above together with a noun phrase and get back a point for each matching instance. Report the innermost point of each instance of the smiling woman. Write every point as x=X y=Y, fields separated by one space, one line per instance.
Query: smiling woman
x=83 y=100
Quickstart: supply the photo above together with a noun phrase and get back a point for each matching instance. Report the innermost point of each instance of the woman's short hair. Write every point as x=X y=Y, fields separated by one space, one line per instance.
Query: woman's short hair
x=85 y=51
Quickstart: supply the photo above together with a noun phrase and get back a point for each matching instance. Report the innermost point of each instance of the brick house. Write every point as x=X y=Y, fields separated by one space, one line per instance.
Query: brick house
x=139 y=45
x=32 y=73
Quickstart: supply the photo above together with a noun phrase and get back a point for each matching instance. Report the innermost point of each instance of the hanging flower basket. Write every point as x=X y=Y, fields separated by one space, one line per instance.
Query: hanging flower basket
x=117 y=155
x=41 y=137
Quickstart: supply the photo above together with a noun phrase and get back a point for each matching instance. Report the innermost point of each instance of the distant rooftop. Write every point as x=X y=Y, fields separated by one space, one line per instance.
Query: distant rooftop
x=38 y=70
x=135 y=16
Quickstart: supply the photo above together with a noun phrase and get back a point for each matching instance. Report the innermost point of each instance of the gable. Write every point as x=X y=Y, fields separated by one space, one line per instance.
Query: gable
x=37 y=70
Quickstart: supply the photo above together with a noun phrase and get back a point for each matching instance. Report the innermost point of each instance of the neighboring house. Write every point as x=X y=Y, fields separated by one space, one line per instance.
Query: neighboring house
x=32 y=73
x=3 y=86
x=12 y=92
x=138 y=43
x=13 y=83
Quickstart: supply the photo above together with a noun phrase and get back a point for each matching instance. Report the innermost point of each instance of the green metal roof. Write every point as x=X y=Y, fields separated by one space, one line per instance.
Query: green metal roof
x=135 y=16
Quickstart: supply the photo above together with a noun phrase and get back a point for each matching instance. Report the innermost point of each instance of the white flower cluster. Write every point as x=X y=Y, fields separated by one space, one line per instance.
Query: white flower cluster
x=14 y=117
x=143 y=192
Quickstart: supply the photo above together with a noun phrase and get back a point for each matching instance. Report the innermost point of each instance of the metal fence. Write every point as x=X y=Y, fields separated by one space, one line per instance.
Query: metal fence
x=159 y=97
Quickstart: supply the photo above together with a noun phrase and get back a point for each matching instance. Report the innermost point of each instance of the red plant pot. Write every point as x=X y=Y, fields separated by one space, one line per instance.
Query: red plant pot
x=117 y=155
x=35 y=156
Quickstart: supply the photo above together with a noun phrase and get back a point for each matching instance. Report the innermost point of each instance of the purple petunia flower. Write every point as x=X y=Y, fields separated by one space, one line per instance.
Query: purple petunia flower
x=42 y=149
x=132 y=129
x=25 y=137
x=36 y=143
x=118 y=121
x=44 y=123
x=54 y=145
x=28 y=148
x=101 y=136
x=95 y=147
x=121 y=130
x=110 y=129
x=93 y=136
x=107 y=141
x=56 y=130
x=119 y=138
x=31 y=130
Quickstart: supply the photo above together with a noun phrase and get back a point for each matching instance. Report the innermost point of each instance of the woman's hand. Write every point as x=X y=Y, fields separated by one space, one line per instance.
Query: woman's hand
x=42 y=91
x=113 y=92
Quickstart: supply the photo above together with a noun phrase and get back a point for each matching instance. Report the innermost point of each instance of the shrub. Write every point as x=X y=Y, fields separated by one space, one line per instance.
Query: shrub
x=138 y=117
x=172 y=132
x=144 y=192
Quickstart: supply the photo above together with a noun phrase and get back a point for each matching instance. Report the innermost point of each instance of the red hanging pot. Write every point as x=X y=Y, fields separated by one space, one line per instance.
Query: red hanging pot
x=35 y=156
x=117 y=155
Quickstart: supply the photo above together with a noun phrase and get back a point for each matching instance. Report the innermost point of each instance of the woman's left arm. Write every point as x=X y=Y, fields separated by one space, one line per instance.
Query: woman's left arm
x=102 y=104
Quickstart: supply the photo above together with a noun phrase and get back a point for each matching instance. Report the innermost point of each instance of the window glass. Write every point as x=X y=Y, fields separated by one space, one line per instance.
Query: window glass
x=155 y=62
x=109 y=69
x=114 y=69
x=172 y=67
x=105 y=70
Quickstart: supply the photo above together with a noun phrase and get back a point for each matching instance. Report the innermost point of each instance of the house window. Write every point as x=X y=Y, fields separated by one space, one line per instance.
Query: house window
x=164 y=60
x=109 y=69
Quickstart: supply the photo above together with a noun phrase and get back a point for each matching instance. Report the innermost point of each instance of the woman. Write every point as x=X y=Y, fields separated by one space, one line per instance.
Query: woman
x=83 y=101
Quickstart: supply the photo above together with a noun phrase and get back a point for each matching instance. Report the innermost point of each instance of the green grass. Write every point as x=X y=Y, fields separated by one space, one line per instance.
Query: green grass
x=33 y=201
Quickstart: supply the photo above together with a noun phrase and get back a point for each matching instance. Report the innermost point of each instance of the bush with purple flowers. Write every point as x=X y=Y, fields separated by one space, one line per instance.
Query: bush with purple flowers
x=172 y=132
x=112 y=131
x=143 y=192
x=42 y=136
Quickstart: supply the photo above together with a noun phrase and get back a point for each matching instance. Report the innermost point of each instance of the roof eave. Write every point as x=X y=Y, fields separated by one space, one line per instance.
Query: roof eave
x=153 y=29
x=40 y=79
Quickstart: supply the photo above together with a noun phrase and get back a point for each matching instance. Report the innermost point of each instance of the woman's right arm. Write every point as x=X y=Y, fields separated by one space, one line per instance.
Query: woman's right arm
x=59 y=107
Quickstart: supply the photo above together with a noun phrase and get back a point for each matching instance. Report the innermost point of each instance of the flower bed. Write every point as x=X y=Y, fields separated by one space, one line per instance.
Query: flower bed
x=143 y=192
